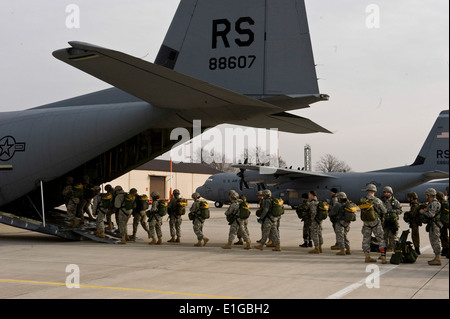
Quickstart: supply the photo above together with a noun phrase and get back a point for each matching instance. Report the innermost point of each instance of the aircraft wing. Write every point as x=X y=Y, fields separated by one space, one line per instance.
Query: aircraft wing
x=435 y=175
x=282 y=172
x=190 y=97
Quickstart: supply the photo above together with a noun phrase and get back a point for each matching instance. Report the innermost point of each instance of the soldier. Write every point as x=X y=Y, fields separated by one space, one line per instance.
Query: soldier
x=155 y=220
x=175 y=219
x=342 y=227
x=373 y=225
x=198 y=221
x=434 y=226
x=112 y=210
x=72 y=199
x=390 y=219
x=86 y=200
x=316 y=225
x=124 y=204
x=269 y=222
x=333 y=201
x=101 y=205
x=139 y=215
x=259 y=210
x=305 y=216
x=234 y=220
x=444 y=229
x=413 y=218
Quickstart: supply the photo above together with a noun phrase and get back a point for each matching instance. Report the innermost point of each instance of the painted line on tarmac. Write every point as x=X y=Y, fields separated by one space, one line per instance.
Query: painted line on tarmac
x=362 y=282
x=116 y=288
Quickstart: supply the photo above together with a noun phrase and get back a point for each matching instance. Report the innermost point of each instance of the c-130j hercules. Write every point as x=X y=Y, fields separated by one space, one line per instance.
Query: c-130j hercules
x=243 y=62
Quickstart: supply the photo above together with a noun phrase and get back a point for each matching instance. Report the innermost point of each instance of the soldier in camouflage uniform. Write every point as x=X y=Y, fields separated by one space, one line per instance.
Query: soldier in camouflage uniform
x=374 y=227
x=155 y=220
x=71 y=201
x=445 y=226
x=434 y=226
x=269 y=223
x=333 y=201
x=139 y=216
x=174 y=219
x=412 y=217
x=111 y=211
x=304 y=214
x=341 y=226
x=316 y=225
x=390 y=219
x=100 y=212
x=198 y=221
x=236 y=224
x=123 y=213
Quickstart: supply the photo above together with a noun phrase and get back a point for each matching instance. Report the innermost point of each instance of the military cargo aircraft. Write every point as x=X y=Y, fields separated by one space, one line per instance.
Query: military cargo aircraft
x=431 y=163
x=221 y=62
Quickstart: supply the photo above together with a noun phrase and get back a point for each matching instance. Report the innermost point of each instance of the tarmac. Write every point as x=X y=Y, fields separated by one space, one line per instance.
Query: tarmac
x=39 y=266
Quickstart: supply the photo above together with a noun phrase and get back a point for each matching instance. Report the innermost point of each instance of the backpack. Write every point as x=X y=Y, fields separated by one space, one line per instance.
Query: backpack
x=350 y=209
x=162 y=207
x=128 y=201
x=444 y=212
x=142 y=203
x=302 y=211
x=106 y=200
x=78 y=190
x=322 y=210
x=368 y=213
x=404 y=251
x=204 y=210
x=277 y=207
x=180 y=206
x=244 y=210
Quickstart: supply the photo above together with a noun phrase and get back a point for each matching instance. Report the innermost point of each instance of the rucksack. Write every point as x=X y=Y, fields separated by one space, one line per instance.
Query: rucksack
x=162 y=207
x=404 y=251
x=106 y=200
x=444 y=212
x=322 y=210
x=350 y=210
x=302 y=211
x=180 y=206
x=204 y=210
x=78 y=190
x=368 y=213
x=277 y=207
x=142 y=203
x=128 y=201
x=244 y=210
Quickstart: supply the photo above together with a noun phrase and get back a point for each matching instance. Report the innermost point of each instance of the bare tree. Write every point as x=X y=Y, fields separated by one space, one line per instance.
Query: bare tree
x=330 y=163
x=259 y=156
x=216 y=161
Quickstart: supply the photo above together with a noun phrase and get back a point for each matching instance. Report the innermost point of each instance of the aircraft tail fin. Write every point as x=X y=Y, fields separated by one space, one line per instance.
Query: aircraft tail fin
x=257 y=48
x=434 y=154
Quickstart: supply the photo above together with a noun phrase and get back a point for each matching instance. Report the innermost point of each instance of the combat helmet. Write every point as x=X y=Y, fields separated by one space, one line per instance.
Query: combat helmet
x=341 y=195
x=154 y=195
x=430 y=192
x=267 y=193
x=370 y=187
x=233 y=194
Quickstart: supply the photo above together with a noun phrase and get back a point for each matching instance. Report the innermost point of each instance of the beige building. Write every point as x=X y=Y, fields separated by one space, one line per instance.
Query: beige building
x=155 y=176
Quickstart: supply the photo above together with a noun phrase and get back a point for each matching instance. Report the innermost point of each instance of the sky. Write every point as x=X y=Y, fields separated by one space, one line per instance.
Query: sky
x=387 y=78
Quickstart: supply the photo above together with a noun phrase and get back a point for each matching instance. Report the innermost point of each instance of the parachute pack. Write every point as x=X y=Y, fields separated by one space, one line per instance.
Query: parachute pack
x=368 y=213
x=322 y=210
x=244 y=210
x=444 y=212
x=106 y=200
x=180 y=206
x=302 y=211
x=128 y=201
x=350 y=210
x=142 y=202
x=204 y=210
x=162 y=207
x=277 y=207
x=78 y=190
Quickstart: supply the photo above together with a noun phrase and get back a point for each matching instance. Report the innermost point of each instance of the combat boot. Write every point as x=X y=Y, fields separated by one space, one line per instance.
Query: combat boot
x=239 y=242
x=305 y=244
x=205 y=241
x=341 y=252
x=159 y=242
x=153 y=241
x=320 y=249
x=248 y=244
x=348 y=251
x=417 y=249
x=133 y=237
x=123 y=241
x=369 y=259
x=270 y=244
x=100 y=235
x=177 y=240
x=277 y=248
x=436 y=261
x=171 y=240
x=227 y=246
x=383 y=258
x=314 y=251
x=335 y=247
x=260 y=246
x=198 y=244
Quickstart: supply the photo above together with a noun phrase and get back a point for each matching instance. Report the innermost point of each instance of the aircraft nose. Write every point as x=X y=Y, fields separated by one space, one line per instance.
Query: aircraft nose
x=201 y=190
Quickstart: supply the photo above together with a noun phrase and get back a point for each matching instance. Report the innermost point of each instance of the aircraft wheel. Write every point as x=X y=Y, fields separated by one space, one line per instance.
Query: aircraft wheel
x=218 y=204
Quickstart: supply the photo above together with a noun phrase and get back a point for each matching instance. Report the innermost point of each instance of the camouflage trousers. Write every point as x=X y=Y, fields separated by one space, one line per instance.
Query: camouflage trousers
x=243 y=229
x=139 y=218
x=435 y=238
x=307 y=230
x=154 y=224
x=100 y=221
x=444 y=236
x=390 y=236
x=72 y=208
x=415 y=234
x=237 y=227
x=341 y=229
x=377 y=230
x=316 y=233
x=270 y=230
x=198 y=228
x=175 y=226
x=123 y=217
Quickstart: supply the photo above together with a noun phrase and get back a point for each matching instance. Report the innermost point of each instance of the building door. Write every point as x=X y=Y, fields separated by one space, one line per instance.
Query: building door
x=158 y=184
